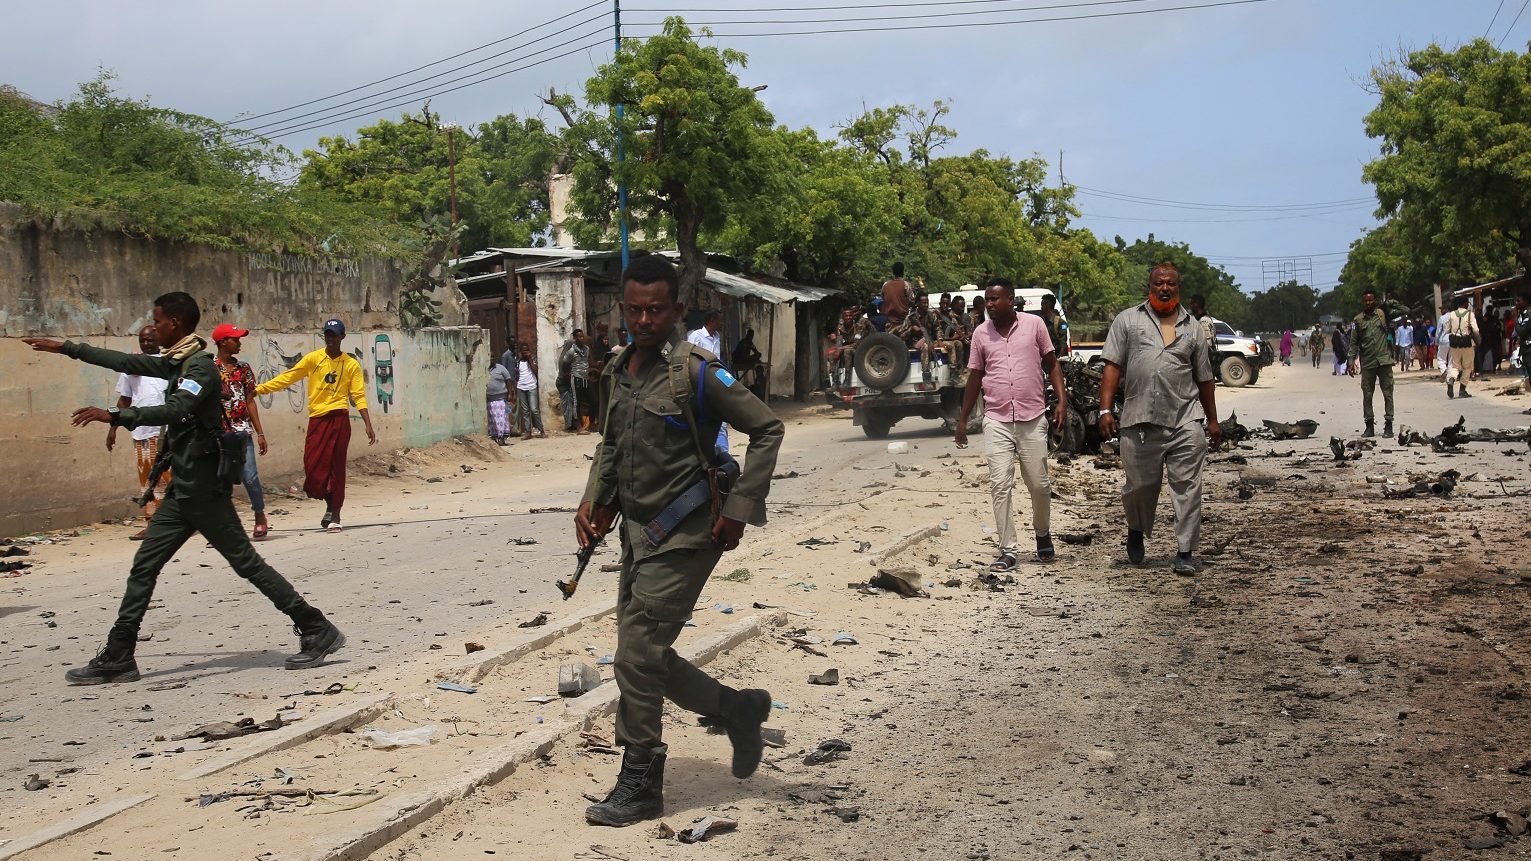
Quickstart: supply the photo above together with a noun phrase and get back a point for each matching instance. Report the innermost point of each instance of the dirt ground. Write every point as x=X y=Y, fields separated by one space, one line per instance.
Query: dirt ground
x=1345 y=679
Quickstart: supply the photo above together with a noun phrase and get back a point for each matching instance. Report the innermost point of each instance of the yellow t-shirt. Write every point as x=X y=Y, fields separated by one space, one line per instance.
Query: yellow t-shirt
x=330 y=382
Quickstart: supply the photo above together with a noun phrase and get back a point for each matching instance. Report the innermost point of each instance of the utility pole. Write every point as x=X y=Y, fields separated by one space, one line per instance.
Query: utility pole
x=616 y=15
x=452 y=173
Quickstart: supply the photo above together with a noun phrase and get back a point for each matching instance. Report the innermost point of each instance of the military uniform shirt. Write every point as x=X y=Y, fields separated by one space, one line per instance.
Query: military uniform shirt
x=1370 y=344
x=647 y=457
x=191 y=409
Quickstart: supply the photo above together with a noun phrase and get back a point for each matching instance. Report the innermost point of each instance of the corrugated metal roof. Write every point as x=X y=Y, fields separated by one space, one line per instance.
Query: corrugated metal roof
x=1479 y=288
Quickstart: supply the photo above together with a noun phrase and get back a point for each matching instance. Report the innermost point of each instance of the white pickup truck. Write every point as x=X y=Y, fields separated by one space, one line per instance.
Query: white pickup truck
x=1236 y=360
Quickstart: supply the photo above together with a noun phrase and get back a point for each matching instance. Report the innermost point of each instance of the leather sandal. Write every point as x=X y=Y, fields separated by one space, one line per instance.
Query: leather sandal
x=1006 y=562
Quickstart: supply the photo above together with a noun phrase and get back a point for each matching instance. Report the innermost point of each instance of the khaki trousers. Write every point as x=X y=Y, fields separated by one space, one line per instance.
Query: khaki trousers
x=1149 y=453
x=655 y=597
x=1004 y=444
x=1460 y=365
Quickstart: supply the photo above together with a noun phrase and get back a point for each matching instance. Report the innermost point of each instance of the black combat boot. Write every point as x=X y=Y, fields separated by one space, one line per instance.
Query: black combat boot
x=1462 y=391
x=1371 y=429
x=1387 y=427
x=1451 y=390
x=639 y=793
x=1135 y=546
x=114 y=663
x=317 y=637
x=742 y=713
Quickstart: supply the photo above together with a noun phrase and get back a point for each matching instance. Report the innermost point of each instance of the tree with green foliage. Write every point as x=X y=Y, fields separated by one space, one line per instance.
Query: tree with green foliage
x=1225 y=300
x=104 y=161
x=1455 y=169
x=1288 y=305
x=404 y=169
x=698 y=144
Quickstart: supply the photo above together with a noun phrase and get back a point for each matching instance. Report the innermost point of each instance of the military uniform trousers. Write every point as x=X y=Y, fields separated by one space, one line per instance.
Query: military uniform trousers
x=173 y=524
x=1150 y=453
x=1370 y=377
x=655 y=596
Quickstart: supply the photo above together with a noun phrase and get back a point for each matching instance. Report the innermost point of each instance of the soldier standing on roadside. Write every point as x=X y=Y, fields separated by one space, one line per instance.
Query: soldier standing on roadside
x=666 y=399
x=1370 y=354
x=199 y=501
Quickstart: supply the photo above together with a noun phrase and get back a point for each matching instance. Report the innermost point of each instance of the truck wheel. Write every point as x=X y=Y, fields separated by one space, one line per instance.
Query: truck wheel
x=882 y=361
x=1234 y=372
x=876 y=426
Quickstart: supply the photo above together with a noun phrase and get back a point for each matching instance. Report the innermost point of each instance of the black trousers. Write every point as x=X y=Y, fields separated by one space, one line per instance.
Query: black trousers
x=173 y=524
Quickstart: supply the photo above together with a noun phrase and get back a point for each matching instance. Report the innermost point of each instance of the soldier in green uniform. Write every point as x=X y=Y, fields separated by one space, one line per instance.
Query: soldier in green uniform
x=198 y=501
x=1371 y=352
x=665 y=400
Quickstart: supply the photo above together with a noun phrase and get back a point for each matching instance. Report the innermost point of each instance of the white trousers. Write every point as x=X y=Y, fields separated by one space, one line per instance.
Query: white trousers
x=1004 y=444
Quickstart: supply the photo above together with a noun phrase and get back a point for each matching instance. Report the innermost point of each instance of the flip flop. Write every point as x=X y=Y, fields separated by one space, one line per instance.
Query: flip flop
x=1005 y=562
x=333 y=527
x=260 y=532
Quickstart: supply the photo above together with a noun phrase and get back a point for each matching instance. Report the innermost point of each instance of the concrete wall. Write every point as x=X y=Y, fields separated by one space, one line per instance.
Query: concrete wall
x=782 y=354
x=99 y=289
x=560 y=310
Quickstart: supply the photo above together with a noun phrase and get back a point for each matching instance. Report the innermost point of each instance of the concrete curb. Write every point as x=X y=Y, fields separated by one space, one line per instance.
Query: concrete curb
x=495 y=765
x=324 y=723
x=72 y=825
x=904 y=542
x=480 y=665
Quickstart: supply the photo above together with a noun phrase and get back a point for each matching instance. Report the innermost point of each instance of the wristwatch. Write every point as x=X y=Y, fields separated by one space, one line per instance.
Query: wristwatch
x=113 y=412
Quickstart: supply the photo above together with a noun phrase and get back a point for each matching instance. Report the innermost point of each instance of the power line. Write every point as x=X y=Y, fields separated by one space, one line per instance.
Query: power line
x=426 y=66
x=895 y=28
x=1513 y=23
x=384 y=94
x=375 y=108
x=1157 y=220
x=1224 y=207
x=828 y=8
x=1075 y=5
x=1491 y=21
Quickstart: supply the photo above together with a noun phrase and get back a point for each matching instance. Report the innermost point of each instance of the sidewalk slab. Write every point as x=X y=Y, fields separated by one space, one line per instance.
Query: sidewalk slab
x=478 y=666
x=73 y=825
x=335 y=720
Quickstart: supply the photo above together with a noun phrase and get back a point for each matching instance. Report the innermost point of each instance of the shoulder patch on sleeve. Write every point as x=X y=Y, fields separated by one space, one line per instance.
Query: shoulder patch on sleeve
x=189 y=385
x=724 y=376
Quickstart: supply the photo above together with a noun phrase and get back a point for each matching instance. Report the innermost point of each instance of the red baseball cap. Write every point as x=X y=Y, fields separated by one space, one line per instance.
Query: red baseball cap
x=228 y=330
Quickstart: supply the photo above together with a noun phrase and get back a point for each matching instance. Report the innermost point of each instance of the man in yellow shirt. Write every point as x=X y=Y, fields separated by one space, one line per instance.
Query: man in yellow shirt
x=335 y=381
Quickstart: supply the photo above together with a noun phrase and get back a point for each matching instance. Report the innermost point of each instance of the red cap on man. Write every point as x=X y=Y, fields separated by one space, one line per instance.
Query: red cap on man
x=228 y=330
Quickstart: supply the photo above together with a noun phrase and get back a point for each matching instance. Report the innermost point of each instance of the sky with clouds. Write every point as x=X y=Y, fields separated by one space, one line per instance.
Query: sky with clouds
x=1250 y=108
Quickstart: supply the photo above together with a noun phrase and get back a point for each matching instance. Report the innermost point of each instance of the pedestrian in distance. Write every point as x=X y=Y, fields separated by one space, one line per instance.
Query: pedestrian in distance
x=1369 y=355
x=1341 y=346
x=135 y=390
x=1403 y=343
x=527 y=403
x=710 y=338
x=654 y=467
x=1169 y=414
x=1316 y=345
x=1520 y=338
x=574 y=366
x=335 y=383
x=497 y=398
x=1010 y=355
x=1462 y=336
x=1287 y=339
x=200 y=497
x=241 y=414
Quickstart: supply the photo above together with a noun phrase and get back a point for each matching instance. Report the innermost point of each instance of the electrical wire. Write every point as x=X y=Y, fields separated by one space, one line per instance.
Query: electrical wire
x=1224 y=207
x=833 y=8
x=1490 y=27
x=374 y=109
x=1156 y=219
x=422 y=68
x=1075 y=5
x=384 y=94
x=1513 y=23
x=899 y=27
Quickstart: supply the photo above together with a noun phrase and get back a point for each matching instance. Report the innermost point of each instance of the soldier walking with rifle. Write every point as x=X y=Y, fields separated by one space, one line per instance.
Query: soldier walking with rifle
x=200 y=488
x=684 y=504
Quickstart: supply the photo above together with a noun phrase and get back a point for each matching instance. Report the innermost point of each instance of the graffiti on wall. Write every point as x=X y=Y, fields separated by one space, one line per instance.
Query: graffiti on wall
x=301 y=263
x=382 y=370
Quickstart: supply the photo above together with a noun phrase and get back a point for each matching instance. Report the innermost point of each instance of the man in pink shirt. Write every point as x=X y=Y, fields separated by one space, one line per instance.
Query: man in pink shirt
x=1009 y=354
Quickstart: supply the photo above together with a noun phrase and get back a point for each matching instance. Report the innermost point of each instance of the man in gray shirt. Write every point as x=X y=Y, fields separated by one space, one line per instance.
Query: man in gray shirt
x=1164 y=355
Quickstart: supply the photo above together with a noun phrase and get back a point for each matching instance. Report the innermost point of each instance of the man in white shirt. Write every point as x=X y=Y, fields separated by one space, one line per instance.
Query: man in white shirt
x=1403 y=343
x=137 y=391
x=710 y=338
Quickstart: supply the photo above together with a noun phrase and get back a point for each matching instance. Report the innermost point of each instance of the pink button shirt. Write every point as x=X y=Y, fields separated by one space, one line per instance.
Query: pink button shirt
x=1012 y=368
